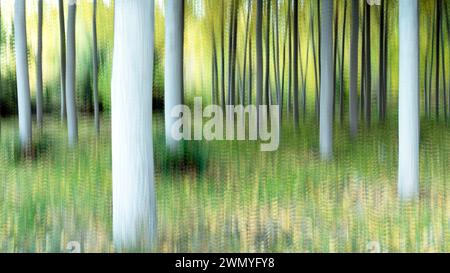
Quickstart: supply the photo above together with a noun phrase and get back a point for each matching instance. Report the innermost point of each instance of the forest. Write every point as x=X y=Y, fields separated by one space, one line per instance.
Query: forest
x=224 y=126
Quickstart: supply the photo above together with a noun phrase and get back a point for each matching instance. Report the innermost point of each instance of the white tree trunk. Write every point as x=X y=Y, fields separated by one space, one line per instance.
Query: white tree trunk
x=39 y=96
x=353 y=100
x=71 y=77
x=326 y=80
x=408 y=176
x=23 y=83
x=134 y=198
x=173 y=84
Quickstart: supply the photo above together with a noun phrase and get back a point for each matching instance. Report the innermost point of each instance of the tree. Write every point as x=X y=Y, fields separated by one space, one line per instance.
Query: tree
x=368 y=67
x=62 y=39
x=23 y=83
x=72 y=123
x=134 y=197
x=173 y=84
x=408 y=177
x=39 y=96
x=295 y=63
x=259 y=55
x=354 y=43
x=326 y=80
x=95 y=68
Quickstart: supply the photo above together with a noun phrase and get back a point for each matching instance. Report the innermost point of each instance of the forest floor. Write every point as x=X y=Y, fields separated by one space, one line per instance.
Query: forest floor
x=229 y=196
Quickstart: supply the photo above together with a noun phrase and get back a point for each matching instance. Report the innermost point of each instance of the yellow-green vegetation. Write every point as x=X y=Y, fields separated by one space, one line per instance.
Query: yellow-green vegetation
x=230 y=197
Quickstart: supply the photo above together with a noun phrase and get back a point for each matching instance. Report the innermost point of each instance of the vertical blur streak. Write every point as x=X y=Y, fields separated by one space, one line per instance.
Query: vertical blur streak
x=71 y=74
x=62 y=38
x=408 y=177
x=95 y=68
x=39 y=96
x=326 y=81
x=23 y=84
x=134 y=197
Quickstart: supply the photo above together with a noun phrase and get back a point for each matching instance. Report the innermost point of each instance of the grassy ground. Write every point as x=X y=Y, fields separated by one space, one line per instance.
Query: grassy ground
x=230 y=197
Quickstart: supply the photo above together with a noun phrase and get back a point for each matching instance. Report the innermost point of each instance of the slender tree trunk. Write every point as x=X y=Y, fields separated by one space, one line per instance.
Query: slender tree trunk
x=381 y=65
x=267 y=58
x=223 y=54
x=134 y=196
x=259 y=55
x=247 y=36
x=316 y=66
x=354 y=45
x=363 y=64
x=71 y=75
x=95 y=68
x=39 y=96
x=444 y=83
x=62 y=35
x=173 y=91
x=335 y=57
x=368 y=71
x=326 y=81
x=438 y=40
x=23 y=83
x=408 y=178
x=295 y=61
x=341 y=80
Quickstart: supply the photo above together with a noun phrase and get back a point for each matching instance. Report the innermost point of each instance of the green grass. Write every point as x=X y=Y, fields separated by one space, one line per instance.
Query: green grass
x=228 y=196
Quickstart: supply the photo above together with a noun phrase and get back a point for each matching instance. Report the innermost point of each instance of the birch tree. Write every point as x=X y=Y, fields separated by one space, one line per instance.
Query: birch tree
x=23 y=83
x=173 y=84
x=408 y=177
x=72 y=123
x=134 y=198
x=326 y=80
x=354 y=43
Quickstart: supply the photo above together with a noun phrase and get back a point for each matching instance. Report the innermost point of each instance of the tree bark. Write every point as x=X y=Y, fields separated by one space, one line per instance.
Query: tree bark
x=295 y=62
x=259 y=55
x=134 y=196
x=23 y=83
x=173 y=84
x=72 y=122
x=326 y=81
x=408 y=177
x=354 y=45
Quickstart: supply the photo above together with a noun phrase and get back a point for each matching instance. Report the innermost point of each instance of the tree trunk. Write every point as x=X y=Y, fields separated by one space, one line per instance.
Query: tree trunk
x=259 y=55
x=267 y=58
x=408 y=178
x=62 y=39
x=95 y=69
x=341 y=80
x=71 y=74
x=173 y=84
x=438 y=40
x=247 y=36
x=23 y=84
x=295 y=61
x=39 y=96
x=353 y=102
x=134 y=196
x=326 y=81
x=368 y=70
